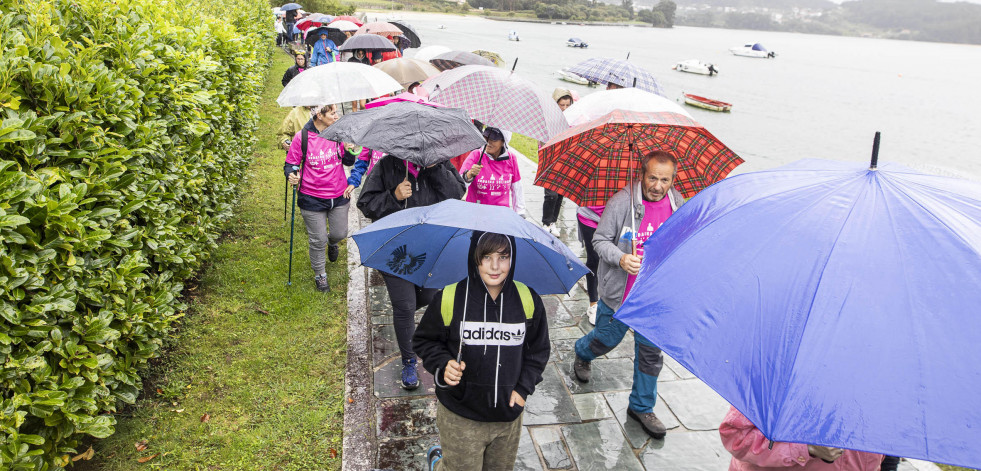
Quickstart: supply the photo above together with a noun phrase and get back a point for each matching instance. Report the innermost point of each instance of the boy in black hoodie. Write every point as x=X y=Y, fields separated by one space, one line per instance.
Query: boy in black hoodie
x=482 y=382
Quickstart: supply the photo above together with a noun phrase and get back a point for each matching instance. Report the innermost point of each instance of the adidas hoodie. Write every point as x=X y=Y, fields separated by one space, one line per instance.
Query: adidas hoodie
x=503 y=350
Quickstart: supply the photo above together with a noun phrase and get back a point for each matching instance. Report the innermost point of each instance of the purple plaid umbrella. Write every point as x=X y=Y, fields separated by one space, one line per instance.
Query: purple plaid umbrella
x=499 y=98
x=622 y=73
x=454 y=59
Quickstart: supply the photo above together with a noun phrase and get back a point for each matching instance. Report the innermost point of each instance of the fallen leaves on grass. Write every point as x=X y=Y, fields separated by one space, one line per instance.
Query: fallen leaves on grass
x=147 y=458
x=85 y=456
x=205 y=417
x=142 y=445
x=333 y=453
x=261 y=310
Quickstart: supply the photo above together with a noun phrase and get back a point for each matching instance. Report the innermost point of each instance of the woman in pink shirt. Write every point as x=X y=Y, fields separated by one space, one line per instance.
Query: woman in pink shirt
x=492 y=173
x=751 y=451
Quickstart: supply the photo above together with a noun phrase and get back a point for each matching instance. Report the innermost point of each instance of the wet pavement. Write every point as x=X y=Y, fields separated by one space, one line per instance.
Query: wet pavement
x=567 y=424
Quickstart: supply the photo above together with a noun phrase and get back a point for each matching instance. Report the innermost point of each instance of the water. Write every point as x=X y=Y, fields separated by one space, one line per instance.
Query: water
x=822 y=97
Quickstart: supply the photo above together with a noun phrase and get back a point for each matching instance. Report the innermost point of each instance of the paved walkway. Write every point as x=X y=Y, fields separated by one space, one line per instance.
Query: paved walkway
x=568 y=425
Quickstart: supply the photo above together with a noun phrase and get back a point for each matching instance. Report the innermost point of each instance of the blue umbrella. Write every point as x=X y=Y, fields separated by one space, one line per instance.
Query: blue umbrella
x=622 y=73
x=428 y=246
x=290 y=6
x=830 y=303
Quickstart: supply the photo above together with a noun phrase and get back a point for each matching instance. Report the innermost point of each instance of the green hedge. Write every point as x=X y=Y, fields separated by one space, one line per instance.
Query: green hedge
x=125 y=128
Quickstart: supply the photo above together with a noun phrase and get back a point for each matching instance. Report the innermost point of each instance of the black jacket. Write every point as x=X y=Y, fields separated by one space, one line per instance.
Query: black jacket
x=496 y=363
x=290 y=73
x=438 y=183
x=366 y=60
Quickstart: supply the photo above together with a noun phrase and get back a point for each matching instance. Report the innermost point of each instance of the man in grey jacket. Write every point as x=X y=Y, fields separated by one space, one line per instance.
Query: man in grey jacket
x=620 y=252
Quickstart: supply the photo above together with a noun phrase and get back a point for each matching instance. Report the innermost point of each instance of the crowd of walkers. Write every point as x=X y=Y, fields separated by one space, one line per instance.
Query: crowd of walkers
x=482 y=388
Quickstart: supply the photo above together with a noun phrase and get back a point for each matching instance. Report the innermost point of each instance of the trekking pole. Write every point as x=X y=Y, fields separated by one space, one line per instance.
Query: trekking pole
x=289 y=276
x=286 y=194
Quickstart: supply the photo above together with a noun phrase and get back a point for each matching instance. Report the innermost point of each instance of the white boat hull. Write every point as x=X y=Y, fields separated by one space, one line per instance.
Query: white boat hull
x=695 y=67
x=745 y=52
x=571 y=77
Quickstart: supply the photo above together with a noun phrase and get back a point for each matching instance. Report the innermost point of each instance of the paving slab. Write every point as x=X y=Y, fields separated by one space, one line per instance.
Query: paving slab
x=527 y=455
x=383 y=343
x=592 y=406
x=676 y=367
x=553 y=448
x=695 y=404
x=687 y=451
x=560 y=316
x=406 y=454
x=563 y=351
x=607 y=375
x=600 y=445
x=565 y=333
x=618 y=402
x=388 y=381
x=404 y=417
x=551 y=402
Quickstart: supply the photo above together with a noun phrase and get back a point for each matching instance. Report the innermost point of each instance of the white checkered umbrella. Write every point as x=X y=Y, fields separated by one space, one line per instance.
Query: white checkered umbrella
x=498 y=98
x=622 y=73
x=336 y=82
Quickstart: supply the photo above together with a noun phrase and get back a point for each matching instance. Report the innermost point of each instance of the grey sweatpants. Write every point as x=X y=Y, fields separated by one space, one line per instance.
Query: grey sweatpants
x=469 y=445
x=317 y=223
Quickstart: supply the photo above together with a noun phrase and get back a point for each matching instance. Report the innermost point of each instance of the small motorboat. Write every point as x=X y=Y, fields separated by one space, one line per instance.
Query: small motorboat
x=576 y=42
x=695 y=66
x=707 y=103
x=564 y=74
x=513 y=36
x=441 y=27
x=753 y=50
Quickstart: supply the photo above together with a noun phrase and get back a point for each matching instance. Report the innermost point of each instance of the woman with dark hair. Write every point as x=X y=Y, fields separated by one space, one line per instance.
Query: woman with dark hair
x=299 y=66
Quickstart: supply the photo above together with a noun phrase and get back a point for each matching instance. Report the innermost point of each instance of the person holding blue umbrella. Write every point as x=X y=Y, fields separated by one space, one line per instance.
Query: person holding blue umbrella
x=631 y=216
x=324 y=50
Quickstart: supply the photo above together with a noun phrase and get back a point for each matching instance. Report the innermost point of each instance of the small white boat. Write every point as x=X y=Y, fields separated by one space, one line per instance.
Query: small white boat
x=513 y=36
x=564 y=74
x=576 y=42
x=752 y=50
x=441 y=27
x=695 y=66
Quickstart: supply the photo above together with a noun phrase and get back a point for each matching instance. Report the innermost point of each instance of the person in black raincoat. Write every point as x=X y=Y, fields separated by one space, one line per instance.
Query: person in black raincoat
x=299 y=66
x=392 y=185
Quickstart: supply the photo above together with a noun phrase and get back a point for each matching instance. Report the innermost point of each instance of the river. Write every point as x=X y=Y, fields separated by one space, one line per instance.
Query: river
x=821 y=97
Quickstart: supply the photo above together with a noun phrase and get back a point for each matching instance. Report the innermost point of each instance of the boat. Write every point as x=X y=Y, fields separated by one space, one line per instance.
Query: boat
x=752 y=50
x=441 y=27
x=564 y=74
x=513 y=36
x=695 y=66
x=576 y=42
x=707 y=103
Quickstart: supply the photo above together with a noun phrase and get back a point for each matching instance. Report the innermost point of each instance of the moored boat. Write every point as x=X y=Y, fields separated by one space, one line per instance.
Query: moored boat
x=695 y=66
x=752 y=50
x=576 y=42
x=707 y=103
x=513 y=36
x=564 y=74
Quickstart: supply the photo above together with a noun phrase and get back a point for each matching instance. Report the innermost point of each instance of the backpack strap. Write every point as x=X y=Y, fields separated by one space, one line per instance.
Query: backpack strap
x=303 y=160
x=446 y=307
x=527 y=302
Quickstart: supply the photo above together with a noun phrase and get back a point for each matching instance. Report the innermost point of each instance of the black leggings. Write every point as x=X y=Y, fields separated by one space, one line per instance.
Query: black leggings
x=592 y=259
x=406 y=298
x=551 y=207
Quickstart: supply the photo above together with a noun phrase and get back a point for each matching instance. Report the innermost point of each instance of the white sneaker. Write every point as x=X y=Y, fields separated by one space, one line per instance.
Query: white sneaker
x=591 y=314
x=554 y=230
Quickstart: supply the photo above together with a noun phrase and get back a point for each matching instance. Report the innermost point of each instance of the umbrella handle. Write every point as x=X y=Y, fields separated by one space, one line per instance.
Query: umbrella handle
x=875 y=151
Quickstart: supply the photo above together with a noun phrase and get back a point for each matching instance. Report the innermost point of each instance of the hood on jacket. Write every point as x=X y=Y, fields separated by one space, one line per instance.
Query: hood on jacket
x=472 y=272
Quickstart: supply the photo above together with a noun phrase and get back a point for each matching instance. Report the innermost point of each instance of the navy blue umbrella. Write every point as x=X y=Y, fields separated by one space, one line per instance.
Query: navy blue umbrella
x=428 y=246
x=290 y=6
x=831 y=303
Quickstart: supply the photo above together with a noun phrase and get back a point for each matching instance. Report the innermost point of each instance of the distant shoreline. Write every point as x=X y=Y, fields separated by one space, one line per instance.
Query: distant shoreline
x=558 y=22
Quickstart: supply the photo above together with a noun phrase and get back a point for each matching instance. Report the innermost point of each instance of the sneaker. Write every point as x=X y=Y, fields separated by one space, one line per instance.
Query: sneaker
x=332 y=252
x=554 y=230
x=591 y=314
x=322 y=284
x=433 y=455
x=651 y=424
x=582 y=370
x=410 y=378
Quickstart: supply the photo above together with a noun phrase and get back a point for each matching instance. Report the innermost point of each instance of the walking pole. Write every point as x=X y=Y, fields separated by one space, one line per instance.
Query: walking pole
x=875 y=151
x=286 y=194
x=289 y=276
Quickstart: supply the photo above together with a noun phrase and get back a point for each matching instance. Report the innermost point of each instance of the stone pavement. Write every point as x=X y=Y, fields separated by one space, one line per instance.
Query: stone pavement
x=568 y=425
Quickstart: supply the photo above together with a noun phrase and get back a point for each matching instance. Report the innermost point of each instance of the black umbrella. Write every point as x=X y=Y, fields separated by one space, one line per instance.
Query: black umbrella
x=367 y=42
x=408 y=32
x=421 y=134
x=454 y=59
x=333 y=34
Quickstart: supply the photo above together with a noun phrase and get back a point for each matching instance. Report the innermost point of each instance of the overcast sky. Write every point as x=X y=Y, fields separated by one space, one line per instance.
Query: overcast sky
x=945 y=1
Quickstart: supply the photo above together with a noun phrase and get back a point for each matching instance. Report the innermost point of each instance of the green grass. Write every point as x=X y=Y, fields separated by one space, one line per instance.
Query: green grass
x=525 y=145
x=264 y=361
x=947 y=467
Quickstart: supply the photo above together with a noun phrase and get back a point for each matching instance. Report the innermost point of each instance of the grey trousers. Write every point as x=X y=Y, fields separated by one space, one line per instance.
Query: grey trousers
x=317 y=223
x=469 y=445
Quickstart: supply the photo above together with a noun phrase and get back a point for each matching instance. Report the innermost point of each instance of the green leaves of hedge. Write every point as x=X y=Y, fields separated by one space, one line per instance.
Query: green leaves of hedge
x=125 y=128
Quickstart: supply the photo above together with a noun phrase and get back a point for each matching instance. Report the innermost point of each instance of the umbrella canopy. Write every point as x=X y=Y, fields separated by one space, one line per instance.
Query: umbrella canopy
x=409 y=32
x=406 y=96
x=454 y=59
x=429 y=245
x=379 y=27
x=423 y=135
x=622 y=73
x=597 y=104
x=290 y=6
x=344 y=25
x=336 y=82
x=590 y=162
x=429 y=52
x=829 y=284
x=315 y=20
x=367 y=42
x=407 y=71
x=499 y=98
x=491 y=56
x=313 y=35
x=352 y=19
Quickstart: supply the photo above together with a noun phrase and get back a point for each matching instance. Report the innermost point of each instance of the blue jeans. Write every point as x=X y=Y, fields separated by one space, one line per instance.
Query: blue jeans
x=647 y=357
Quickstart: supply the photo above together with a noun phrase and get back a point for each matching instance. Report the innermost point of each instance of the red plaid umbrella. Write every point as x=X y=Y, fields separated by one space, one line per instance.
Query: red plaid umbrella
x=499 y=98
x=590 y=162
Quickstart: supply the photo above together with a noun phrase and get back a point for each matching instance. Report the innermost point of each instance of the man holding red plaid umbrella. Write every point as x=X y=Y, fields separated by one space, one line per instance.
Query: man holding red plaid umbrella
x=631 y=216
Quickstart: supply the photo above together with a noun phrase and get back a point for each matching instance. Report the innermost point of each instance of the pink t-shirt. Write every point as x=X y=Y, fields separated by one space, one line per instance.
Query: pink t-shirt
x=589 y=222
x=324 y=175
x=493 y=184
x=655 y=213
x=370 y=156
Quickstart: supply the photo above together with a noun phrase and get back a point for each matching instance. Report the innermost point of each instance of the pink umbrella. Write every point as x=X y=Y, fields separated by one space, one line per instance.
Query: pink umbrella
x=380 y=27
x=405 y=96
